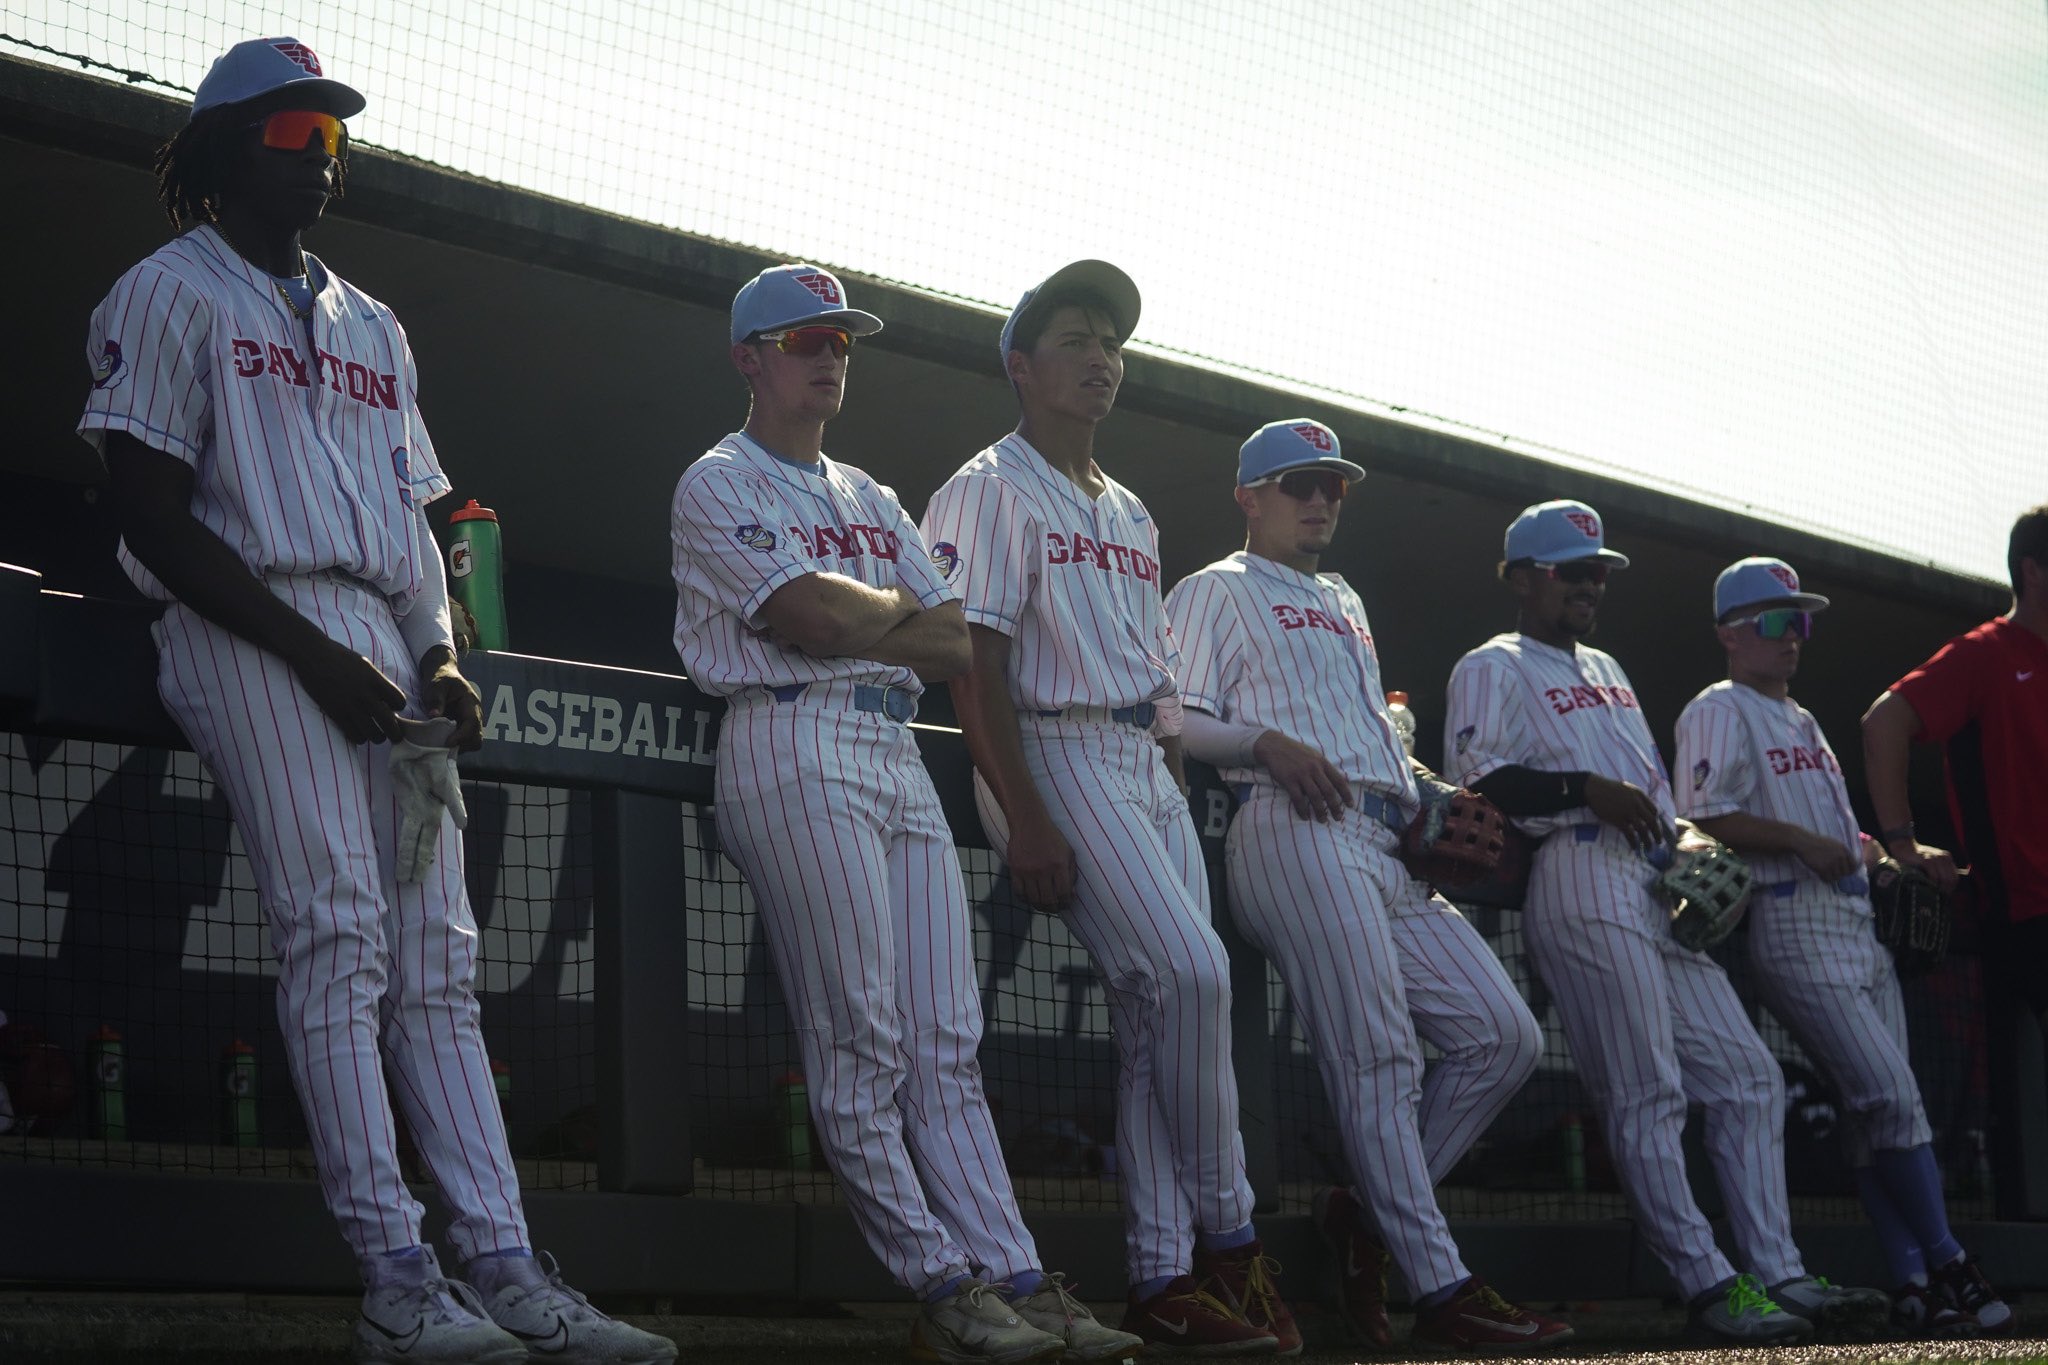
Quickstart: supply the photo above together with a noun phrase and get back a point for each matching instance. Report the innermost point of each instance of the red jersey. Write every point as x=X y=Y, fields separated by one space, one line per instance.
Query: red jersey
x=1984 y=696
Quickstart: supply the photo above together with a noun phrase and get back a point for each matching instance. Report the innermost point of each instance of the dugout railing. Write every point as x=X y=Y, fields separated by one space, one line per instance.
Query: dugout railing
x=650 y=1082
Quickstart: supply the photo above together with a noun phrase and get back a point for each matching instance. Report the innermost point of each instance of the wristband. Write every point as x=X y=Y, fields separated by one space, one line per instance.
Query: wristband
x=1893 y=836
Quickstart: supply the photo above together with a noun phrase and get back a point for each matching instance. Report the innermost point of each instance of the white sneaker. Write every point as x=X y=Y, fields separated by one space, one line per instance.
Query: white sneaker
x=972 y=1325
x=411 y=1313
x=1053 y=1308
x=526 y=1297
x=1742 y=1314
x=1833 y=1307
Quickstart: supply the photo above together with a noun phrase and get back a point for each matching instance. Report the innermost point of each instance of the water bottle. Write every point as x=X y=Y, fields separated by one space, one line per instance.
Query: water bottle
x=1403 y=718
x=238 y=1122
x=109 y=1085
x=795 y=1103
x=476 y=571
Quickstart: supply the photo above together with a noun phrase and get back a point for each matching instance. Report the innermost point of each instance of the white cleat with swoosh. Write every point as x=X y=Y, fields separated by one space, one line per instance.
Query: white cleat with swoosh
x=412 y=1314
x=526 y=1297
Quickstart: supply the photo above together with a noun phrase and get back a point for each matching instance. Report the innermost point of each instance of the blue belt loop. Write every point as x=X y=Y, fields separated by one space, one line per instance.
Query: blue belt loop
x=1783 y=889
x=1384 y=809
x=1586 y=834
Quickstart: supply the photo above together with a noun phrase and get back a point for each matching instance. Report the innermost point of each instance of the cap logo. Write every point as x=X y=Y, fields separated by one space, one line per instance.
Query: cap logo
x=1784 y=576
x=301 y=56
x=821 y=284
x=1586 y=522
x=1314 y=435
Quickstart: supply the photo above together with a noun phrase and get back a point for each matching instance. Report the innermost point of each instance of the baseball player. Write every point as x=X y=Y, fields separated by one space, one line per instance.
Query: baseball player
x=1281 y=685
x=1550 y=730
x=807 y=598
x=1071 y=715
x=1758 y=774
x=258 y=419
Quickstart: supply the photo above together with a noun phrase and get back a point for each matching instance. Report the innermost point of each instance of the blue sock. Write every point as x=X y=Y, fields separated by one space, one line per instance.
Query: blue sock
x=405 y=1254
x=527 y=1252
x=1914 y=1183
x=1146 y=1289
x=1026 y=1282
x=1901 y=1247
x=1228 y=1241
x=1438 y=1297
x=948 y=1286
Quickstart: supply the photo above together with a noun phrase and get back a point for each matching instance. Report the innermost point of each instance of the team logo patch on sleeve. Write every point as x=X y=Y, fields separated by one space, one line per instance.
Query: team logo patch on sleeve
x=1464 y=738
x=945 y=558
x=754 y=536
x=1701 y=771
x=110 y=368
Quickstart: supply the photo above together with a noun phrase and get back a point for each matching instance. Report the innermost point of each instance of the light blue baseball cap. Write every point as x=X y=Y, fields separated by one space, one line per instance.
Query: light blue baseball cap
x=261 y=65
x=1757 y=580
x=785 y=296
x=1558 y=532
x=1118 y=292
x=1296 y=443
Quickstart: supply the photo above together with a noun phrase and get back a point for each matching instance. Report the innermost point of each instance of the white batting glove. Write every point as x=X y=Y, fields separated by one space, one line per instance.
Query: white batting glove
x=428 y=786
x=1167 y=716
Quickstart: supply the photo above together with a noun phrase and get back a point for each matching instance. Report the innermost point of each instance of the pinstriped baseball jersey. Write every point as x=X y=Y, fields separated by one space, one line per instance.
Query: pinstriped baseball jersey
x=1074 y=583
x=305 y=458
x=1739 y=750
x=1518 y=702
x=1263 y=644
x=744 y=523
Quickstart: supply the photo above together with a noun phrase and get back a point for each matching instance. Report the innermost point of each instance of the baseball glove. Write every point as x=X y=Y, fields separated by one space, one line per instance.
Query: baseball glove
x=1912 y=915
x=1707 y=887
x=1456 y=839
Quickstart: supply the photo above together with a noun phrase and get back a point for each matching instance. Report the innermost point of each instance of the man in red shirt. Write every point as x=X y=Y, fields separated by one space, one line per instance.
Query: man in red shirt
x=1983 y=695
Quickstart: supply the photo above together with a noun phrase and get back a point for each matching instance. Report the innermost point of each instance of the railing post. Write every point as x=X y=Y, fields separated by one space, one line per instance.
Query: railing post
x=642 y=950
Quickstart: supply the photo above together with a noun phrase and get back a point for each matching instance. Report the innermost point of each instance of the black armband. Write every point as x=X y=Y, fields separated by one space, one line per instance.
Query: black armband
x=1529 y=792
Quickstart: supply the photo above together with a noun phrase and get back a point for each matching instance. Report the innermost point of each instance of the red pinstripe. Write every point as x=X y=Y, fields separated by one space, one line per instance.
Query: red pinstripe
x=1141 y=908
x=319 y=819
x=832 y=818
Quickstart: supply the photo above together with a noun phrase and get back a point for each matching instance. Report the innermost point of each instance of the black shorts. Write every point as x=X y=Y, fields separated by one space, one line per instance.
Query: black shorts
x=2019 y=952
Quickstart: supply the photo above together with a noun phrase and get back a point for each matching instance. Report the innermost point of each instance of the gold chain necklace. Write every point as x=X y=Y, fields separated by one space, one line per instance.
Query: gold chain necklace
x=290 y=306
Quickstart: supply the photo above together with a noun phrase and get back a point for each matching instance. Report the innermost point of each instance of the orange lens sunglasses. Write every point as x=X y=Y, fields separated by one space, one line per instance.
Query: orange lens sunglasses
x=288 y=130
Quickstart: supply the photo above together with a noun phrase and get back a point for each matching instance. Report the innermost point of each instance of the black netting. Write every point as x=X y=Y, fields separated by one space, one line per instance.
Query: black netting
x=140 y=992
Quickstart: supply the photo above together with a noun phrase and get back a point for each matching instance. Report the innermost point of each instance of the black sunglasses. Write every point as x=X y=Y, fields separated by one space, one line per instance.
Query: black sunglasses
x=1303 y=484
x=1571 y=571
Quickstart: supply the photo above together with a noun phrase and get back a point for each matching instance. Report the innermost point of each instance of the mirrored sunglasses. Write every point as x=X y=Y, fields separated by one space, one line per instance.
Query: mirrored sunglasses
x=289 y=130
x=1778 y=622
x=806 y=341
x=1303 y=484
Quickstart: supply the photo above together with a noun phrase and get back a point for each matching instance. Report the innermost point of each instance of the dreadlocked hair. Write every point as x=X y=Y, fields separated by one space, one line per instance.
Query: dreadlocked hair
x=194 y=166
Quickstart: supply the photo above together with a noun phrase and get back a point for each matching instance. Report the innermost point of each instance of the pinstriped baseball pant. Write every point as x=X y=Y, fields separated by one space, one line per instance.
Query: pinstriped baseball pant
x=362 y=960
x=832 y=818
x=1141 y=909
x=1651 y=1027
x=1821 y=970
x=1371 y=959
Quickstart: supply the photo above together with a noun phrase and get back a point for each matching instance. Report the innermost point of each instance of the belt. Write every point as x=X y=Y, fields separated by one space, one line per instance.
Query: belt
x=896 y=703
x=1855 y=884
x=1658 y=856
x=1141 y=715
x=1372 y=805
